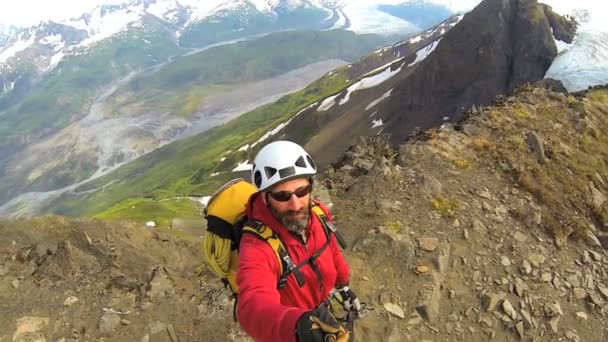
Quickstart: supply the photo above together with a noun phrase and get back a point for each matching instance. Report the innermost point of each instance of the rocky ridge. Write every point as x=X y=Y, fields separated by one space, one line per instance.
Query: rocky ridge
x=453 y=236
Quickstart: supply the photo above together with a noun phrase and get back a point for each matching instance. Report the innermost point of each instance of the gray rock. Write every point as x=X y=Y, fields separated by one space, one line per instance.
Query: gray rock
x=3 y=270
x=156 y=327
x=466 y=234
x=556 y=282
x=160 y=285
x=552 y=310
x=172 y=333
x=527 y=318
x=521 y=287
x=603 y=238
x=520 y=237
x=546 y=277
x=582 y=315
x=479 y=227
x=603 y=290
x=505 y=261
x=520 y=329
x=574 y=280
x=428 y=244
x=485 y=193
x=535 y=143
x=394 y=309
x=385 y=204
x=572 y=336
x=508 y=309
x=71 y=300
x=579 y=293
x=597 y=197
x=536 y=259
x=553 y=323
x=30 y=329
x=579 y=107
x=108 y=323
x=526 y=268
x=492 y=300
x=394 y=242
x=15 y=283
x=595 y=255
x=592 y=240
x=589 y=282
x=596 y=299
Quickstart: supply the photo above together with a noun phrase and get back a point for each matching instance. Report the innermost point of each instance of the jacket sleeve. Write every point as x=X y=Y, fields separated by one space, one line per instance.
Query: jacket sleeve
x=343 y=277
x=259 y=299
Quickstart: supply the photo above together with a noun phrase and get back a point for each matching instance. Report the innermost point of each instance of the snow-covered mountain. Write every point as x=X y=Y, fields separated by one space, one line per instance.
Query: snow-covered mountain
x=5 y=32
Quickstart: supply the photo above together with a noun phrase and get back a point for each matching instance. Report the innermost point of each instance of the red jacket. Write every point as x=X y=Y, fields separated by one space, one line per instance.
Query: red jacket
x=265 y=312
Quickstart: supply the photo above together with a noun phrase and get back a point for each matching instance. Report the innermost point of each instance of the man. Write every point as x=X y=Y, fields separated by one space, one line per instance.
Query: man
x=282 y=173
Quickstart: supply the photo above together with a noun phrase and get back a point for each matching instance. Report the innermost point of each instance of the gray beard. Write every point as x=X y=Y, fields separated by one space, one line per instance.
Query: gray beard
x=297 y=226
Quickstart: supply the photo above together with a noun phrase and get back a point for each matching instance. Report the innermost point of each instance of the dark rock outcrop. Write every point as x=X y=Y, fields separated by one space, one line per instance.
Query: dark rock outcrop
x=498 y=46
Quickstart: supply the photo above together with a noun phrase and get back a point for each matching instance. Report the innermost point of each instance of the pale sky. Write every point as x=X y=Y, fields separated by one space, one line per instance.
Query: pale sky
x=30 y=12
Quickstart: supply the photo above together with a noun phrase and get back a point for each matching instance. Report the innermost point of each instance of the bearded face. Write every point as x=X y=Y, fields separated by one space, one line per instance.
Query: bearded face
x=289 y=203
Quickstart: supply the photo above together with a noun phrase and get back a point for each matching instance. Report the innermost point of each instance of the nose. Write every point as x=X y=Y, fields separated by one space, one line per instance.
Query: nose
x=293 y=203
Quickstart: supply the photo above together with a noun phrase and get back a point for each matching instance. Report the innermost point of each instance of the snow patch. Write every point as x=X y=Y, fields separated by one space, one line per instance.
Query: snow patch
x=378 y=100
x=222 y=159
x=161 y=9
x=16 y=47
x=423 y=53
x=280 y=126
x=415 y=39
x=377 y=123
x=215 y=174
x=52 y=40
x=384 y=66
x=370 y=82
x=244 y=166
x=327 y=103
x=104 y=26
x=55 y=60
x=243 y=148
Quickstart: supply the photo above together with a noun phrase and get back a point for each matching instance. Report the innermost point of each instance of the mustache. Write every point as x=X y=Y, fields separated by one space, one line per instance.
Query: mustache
x=295 y=212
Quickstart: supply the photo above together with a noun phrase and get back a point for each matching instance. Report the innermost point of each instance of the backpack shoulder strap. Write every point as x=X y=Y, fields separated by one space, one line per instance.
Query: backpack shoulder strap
x=328 y=226
x=286 y=265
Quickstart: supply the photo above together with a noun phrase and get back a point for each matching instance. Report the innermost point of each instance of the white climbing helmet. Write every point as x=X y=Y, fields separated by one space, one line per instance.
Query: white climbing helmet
x=280 y=161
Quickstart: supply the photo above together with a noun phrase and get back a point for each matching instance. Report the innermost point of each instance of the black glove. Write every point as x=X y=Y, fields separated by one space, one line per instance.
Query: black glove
x=320 y=326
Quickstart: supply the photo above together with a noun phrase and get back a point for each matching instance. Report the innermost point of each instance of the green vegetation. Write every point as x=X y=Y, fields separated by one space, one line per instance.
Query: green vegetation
x=161 y=212
x=184 y=167
x=575 y=150
x=179 y=88
x=71 y=87
x=445 y=206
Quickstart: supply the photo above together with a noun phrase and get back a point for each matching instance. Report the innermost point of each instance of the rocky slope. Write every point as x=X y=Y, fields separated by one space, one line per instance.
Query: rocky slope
x=493 y=229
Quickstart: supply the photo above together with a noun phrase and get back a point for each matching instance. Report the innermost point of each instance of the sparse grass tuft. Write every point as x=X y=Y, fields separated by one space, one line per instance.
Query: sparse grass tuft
x=463 y=164
x=445 y=206
x=395 y=226
x=482 y=144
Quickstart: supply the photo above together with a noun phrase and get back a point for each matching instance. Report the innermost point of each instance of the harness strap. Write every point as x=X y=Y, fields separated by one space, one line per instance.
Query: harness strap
x=286 y=264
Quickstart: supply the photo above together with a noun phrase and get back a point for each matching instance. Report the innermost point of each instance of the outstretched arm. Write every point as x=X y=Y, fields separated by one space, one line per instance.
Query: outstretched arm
x=259 y=310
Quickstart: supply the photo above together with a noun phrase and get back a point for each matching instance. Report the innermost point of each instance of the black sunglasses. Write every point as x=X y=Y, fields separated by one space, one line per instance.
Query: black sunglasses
x=284 y=196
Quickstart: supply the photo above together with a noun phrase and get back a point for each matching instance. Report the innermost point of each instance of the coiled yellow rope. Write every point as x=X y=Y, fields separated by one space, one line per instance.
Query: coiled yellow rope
x=217 y=252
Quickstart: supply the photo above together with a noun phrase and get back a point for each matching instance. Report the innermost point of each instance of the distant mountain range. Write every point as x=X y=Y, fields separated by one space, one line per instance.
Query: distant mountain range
x=430 y=78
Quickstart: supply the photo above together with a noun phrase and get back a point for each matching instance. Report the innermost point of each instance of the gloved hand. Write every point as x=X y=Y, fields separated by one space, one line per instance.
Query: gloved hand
x=320 y=326
x=349 y=299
